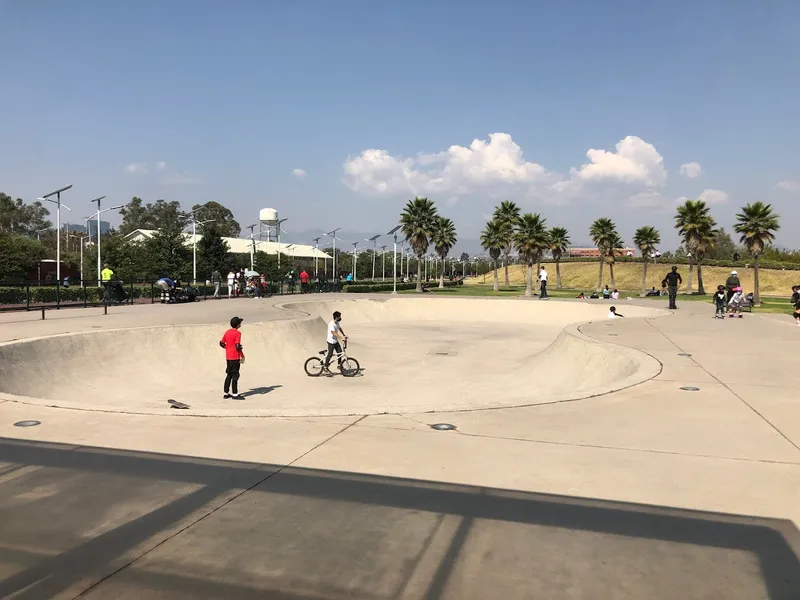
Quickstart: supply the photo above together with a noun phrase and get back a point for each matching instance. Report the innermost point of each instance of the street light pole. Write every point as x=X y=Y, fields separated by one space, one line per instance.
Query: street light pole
x=316 y=258
x=57 y=202
x=333 y=235
x=374 y=240
x=355 y=260
x=98 y=200
x=253 y=245
x=393 y=232
x=278 y=227
x=383 y=263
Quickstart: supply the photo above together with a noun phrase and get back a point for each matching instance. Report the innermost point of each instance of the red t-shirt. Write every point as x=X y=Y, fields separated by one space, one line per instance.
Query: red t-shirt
x=303 y=277
x=230 y=339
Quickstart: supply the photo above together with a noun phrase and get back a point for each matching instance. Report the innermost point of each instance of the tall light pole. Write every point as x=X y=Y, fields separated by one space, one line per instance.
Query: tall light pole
x=402 y=252
x=374 y=240
x=355 y=259
x=98 y=200
x=383 y=263
x=393 y=232
x=39 y=263
x=58 y=204
x=195 y=223
x=316 y=258
x=278 y=227
x=253 y=244
x=333 y=235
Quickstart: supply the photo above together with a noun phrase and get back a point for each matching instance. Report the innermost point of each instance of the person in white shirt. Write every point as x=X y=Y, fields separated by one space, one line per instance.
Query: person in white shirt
x=543 y=284
x=613 y=314
x=231 y=283
x=615 y=294
x=335 y=335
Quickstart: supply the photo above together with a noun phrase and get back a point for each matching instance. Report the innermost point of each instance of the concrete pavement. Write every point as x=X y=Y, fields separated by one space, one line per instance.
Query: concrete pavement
x=644 y=492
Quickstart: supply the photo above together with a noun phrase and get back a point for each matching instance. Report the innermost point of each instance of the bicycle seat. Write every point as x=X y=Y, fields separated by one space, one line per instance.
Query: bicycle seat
x=323 y=351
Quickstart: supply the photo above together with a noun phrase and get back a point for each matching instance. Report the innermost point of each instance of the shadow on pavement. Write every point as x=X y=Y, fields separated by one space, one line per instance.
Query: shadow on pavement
x=103 y=523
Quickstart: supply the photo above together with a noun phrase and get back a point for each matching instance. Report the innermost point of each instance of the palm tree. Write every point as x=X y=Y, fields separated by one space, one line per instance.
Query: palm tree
x=756 y=225
x=697 y=228
x=559 y=244
x=604 y=234
x=646 y=240
x=507 y=214
x=443 y=238
x=417 y=222
x=493 y=240
x=611 y=255
x=531 y=240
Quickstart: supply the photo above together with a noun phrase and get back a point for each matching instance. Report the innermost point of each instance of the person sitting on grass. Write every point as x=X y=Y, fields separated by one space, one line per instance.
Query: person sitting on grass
x=606 y=293
x=580 y=296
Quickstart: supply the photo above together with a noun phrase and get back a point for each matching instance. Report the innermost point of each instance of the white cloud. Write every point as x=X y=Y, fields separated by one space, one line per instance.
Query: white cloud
x=182 y=179
x=299 y=173
x=691 y=170
x=137 y=168
x=497 y=166
x=713 y=197
x=161 y=165
x=646 y=199
x=788 y=186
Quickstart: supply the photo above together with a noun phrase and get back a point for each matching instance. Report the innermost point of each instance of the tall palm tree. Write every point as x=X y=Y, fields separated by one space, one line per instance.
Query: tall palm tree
x=697 y=228
x=443 y=238
x=559 y=244
x=756 y=225
x=493 y=241
x=646 y=240
x=508 y=214
x=417 y=222
x=531 y=241
x=611 y=255
x=604 y=233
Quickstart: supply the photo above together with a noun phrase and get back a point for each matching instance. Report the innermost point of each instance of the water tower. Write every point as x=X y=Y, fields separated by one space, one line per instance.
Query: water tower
x=267 y=217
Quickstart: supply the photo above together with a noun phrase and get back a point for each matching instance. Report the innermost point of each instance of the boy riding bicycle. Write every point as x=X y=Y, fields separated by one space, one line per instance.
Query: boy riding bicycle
x=335 y=335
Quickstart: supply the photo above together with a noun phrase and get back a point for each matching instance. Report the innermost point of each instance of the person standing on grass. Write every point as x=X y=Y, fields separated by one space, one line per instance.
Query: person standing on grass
x=543 y=284
x=673 y=280
x=231 y=342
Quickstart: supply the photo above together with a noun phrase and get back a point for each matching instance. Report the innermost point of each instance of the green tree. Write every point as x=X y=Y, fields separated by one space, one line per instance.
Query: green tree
x=611 y=255
x=168 y=254
x=19 y=255
x=756 y=226
x=508 y=214
x=161 y=213
x=25 y=219
x=604 y=235
x=646 y=239
x=443 y=238
x=697 y=229
x=213 y=253
x=724 y=247
x=493 y=241
x=559 y=244
x=222 y=218
x=417 y=221
x=531 y=240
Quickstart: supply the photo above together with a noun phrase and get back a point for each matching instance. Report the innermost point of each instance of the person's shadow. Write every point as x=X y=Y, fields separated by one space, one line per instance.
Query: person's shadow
x=260 y=391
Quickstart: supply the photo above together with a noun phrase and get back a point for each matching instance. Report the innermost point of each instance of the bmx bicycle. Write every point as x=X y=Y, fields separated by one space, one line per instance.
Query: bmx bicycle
x=348 y=366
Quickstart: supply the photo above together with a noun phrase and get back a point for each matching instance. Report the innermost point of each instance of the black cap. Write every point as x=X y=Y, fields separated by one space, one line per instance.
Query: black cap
x=236 y=321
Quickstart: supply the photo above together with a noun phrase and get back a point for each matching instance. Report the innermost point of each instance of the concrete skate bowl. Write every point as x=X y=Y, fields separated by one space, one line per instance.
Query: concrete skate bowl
x=417 y=355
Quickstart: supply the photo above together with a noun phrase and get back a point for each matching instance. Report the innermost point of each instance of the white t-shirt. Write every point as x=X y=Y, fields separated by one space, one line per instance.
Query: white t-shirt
x=615 y=295
x=333 y=328
x=612 y=315
x=542 y=275
x=231 y=277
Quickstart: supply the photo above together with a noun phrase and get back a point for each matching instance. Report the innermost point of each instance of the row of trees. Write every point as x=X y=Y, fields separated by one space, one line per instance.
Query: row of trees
x=422 y=226
x=528 y=234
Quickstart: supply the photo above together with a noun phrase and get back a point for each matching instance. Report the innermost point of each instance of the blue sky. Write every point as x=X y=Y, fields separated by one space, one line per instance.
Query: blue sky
x=376 y=101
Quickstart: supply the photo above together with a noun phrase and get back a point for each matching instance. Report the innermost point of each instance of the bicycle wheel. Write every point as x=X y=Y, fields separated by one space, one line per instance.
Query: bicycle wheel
x=314 y=366
x=350 y=367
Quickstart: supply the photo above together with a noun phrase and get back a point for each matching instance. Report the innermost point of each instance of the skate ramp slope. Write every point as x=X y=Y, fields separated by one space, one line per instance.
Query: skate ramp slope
x=417 y=355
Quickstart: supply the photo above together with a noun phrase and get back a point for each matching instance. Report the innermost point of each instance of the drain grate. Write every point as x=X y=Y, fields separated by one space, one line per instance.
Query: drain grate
x=442 y=353
x=29 y=423
x=443 y=426
x=690 y=388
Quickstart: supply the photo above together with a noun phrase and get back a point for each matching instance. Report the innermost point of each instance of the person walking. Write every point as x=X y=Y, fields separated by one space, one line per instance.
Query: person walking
x=231 y=282
x=216 y=279
x=231 y=342
x=673 y=280
x=543 y=284
x=106 y=275
x=732 y=283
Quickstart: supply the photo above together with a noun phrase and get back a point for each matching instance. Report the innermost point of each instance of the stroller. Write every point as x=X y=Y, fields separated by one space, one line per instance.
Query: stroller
x=116 y=293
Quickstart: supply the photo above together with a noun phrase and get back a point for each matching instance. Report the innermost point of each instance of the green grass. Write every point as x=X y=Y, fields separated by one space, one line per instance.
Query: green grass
x=768 y=305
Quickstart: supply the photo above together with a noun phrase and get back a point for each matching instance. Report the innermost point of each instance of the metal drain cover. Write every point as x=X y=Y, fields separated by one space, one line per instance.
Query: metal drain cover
x=442 y=353
x=443 y=426
x=30 y=423
x=690 y=388
x=684 y=354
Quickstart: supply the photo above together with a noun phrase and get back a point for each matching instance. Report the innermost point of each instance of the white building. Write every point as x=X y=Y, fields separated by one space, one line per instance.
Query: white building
x=243 y=245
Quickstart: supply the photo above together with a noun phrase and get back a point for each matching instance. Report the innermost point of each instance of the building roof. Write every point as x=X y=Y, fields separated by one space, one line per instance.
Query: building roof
x=243 y=245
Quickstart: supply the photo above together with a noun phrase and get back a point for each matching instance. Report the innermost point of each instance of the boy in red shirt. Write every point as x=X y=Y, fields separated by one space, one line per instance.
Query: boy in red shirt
x=234 y=355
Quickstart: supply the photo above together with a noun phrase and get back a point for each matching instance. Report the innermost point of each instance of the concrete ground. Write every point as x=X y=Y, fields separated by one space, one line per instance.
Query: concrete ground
x=648 y=491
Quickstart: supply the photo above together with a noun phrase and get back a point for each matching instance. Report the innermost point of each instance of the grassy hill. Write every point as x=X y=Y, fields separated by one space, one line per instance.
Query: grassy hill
x=628 y=276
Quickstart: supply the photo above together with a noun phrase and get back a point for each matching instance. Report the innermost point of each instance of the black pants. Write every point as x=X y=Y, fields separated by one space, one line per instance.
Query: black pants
x=337 y=347
x=543 y=289
x=232 y=376
x=673 y=294
x=106 y=292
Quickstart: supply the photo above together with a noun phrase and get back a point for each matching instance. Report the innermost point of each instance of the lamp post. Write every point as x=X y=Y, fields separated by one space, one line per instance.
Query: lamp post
x=253 y=245
x=195 y=223
x=393 y=232
x=100 y=212
x=374 y=240
x=383 y=263
x=39 y=263
x=278 y=227
x=316 y=258
x=333 y=268
x=355 y=259
x=58 y=204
